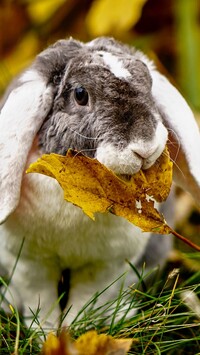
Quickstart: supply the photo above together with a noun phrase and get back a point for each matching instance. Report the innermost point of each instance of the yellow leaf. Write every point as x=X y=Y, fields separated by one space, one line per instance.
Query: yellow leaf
x=156 y=181
x=52 y=345
x=110 y=16
x=89 y=343
x=61 y=345
x=90 y=185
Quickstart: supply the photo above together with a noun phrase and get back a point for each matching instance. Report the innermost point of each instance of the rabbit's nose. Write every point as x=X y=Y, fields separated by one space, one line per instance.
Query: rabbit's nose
x=144 y=152
x=148 y=155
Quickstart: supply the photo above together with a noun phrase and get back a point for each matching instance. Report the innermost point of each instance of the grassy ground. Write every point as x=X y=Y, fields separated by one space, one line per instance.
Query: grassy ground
x=167 y=321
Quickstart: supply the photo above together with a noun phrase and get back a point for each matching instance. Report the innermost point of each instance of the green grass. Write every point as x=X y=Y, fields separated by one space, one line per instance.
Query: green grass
x=164 y=323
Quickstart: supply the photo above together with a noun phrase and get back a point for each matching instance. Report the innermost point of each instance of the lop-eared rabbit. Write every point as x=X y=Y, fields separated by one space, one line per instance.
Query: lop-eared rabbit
x=108 y=101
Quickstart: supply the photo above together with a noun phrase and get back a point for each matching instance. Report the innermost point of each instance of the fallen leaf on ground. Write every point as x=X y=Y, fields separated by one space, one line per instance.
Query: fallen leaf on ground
x=89 y=343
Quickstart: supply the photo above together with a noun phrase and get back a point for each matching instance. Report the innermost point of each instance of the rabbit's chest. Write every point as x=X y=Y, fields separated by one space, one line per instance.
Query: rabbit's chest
x=56 y=229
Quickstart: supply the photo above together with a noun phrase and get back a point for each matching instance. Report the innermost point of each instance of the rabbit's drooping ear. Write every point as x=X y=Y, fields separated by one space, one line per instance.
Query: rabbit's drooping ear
x=184 y=135
x=20 y=118
x=25 y=107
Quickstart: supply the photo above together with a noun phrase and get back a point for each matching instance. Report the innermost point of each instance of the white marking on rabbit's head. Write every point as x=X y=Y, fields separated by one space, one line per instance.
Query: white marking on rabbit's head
x=115 y=65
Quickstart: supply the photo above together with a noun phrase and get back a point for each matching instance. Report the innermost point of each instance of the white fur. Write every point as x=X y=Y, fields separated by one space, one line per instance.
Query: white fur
x=115 y=65
x=180 y=120
x=121 y=162
x=135 y=156
x=20 y=119
x=30 y=75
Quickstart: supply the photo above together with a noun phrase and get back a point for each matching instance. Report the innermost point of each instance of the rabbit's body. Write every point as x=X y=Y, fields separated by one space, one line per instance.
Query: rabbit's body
x=103 y=99
x=62 y=236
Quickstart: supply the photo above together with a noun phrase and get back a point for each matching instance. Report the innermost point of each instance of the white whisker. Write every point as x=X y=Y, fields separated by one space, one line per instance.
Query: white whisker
x=175 y=163
x=81 y=135
x=172 y=143
x=85 y=150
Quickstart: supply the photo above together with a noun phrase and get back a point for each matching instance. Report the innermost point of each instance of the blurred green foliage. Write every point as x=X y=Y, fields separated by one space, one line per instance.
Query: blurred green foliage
x=168 y=30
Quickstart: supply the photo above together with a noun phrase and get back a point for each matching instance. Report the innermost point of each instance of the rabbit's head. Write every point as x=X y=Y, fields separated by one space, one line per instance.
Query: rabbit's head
x=104 y=107
x=103 y=99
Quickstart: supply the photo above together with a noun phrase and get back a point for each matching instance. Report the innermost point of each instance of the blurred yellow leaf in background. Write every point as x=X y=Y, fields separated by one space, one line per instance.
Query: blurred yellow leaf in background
x=107 y=17
x=40 y=11
x=28 y=46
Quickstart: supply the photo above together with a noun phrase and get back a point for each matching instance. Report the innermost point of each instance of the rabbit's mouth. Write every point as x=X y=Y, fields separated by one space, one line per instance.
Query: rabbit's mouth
x=137 y=155
x=124 y=177
x=126 y=163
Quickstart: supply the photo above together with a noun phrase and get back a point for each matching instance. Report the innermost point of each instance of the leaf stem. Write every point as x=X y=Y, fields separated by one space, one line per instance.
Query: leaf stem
x=185 y=240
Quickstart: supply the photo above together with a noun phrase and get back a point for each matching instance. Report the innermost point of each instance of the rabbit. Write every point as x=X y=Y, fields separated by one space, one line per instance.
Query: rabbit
x=108 y=101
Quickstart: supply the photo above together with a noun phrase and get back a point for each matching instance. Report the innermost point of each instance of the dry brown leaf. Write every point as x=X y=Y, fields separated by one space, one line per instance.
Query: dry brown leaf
x=90 y=185
x=89 y=343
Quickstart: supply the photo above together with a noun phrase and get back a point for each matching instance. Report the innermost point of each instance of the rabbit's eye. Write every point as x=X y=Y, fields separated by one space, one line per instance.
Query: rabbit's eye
x=81 y=96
